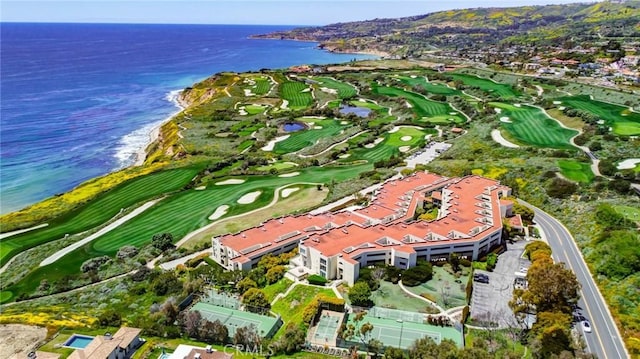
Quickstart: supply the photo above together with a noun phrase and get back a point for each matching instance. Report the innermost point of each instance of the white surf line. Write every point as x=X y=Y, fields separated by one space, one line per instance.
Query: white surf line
x=276 y=197
x=19 y=231
x=115 y=224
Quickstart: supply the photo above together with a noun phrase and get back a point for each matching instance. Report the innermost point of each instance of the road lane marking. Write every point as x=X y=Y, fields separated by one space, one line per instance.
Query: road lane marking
x=584 y=269
x=567 y=263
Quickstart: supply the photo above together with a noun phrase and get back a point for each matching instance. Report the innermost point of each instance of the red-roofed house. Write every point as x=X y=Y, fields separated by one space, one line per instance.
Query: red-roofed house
x=337 y=245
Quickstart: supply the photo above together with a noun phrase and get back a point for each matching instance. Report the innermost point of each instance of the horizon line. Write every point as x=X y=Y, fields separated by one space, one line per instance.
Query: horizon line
x=150 y=23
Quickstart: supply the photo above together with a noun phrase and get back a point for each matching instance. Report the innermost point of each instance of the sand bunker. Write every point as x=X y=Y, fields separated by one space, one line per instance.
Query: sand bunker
x=243 y=112
x=306 y=90
x=561 y=108
x=557 y=102
x=517 y=105
x=344 y=155
x=248 y=93
x=220 y=211
x=374 y=144
x=395 y=129
x=628 y=163
x=200 y=188
x=497 y=136
x=498 y=110
x=344 y=122
x=290 y=174
x=505 y=120
x=406 y=138
x=408 y=105
x=288 y=191
x=452 y=113
x=328 y=90
x=285 y=104
x=317 y=127
x=269 y=146
x=404 y=148
x=230 y=181
x=249 y=197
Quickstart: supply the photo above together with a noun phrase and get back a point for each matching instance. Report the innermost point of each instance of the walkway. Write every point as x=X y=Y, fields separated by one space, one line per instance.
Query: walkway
x=113 y=225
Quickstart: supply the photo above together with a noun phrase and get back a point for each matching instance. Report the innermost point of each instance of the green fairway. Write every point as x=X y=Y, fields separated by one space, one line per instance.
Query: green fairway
x=631 y=213
x=576 y=171
x=619 y=118
x=438 y=89
x=530 y=125
x=427 y=109
x=301 y=139
x=505 y=92
x=188 y=210
x=297 y=94
x=98 y=211
x=278 y=165
x=255 y=109
x=407 y=137
x=262 y=86
x=344 y=90
x=368 y=104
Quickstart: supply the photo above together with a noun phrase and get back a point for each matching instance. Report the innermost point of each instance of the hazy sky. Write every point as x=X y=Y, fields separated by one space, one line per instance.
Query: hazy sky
x=277 y=12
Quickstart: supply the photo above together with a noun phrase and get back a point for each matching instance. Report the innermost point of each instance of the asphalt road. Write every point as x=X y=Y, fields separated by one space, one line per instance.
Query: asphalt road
x=604 y=340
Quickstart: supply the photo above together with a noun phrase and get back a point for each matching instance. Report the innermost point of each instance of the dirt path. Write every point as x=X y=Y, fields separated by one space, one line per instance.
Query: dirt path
x=17 y=340
x=68 y=249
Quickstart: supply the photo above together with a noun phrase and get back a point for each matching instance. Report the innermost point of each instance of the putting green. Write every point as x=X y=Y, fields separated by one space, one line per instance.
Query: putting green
x=576 y=171
x=632 y=213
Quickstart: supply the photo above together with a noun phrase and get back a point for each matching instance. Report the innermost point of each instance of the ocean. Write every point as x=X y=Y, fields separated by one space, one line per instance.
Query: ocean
x=79 y=100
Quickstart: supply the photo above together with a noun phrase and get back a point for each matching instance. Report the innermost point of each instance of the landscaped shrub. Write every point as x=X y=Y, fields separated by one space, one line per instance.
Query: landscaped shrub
x=93 y=263
x=417 y=275
x=127 y=252
x=465 y=262
x=492 y=258
x=317 y=280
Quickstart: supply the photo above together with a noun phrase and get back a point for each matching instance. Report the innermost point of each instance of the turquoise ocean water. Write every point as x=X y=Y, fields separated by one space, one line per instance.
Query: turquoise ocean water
x=79 y=100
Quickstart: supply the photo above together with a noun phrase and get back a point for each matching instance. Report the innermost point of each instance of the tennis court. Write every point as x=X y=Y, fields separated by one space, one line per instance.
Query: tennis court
x=400 y=333
x=222 y=299
x=325 y=331
x=395 y=314
x=233 y=319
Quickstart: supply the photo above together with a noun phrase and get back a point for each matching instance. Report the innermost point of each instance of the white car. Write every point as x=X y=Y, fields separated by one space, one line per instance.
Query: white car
x=586 y=326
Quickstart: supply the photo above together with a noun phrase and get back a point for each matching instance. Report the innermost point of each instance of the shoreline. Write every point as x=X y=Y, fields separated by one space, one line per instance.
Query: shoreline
x=154 y=134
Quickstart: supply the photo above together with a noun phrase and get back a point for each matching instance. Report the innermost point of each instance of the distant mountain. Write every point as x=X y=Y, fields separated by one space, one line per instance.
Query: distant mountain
x=478 y=28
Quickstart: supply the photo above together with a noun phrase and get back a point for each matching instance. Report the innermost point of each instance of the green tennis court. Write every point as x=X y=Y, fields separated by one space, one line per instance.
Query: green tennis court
x=222 y=299
x=402 y=334
x=233 y=319
x=325 y=332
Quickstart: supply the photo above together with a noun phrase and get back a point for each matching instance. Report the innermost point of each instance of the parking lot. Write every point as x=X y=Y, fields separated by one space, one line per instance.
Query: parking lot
x=490 y=301
x=427 y=154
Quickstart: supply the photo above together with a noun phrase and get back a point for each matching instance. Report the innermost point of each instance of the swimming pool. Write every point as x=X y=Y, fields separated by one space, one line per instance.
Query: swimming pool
x=78 y=341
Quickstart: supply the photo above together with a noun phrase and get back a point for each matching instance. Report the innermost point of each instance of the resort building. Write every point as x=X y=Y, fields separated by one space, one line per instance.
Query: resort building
x=467 y=220
x=119 y=345
x=184 y=351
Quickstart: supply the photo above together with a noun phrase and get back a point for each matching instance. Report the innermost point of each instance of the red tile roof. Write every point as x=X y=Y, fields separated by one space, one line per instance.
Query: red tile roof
x=470 y=206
